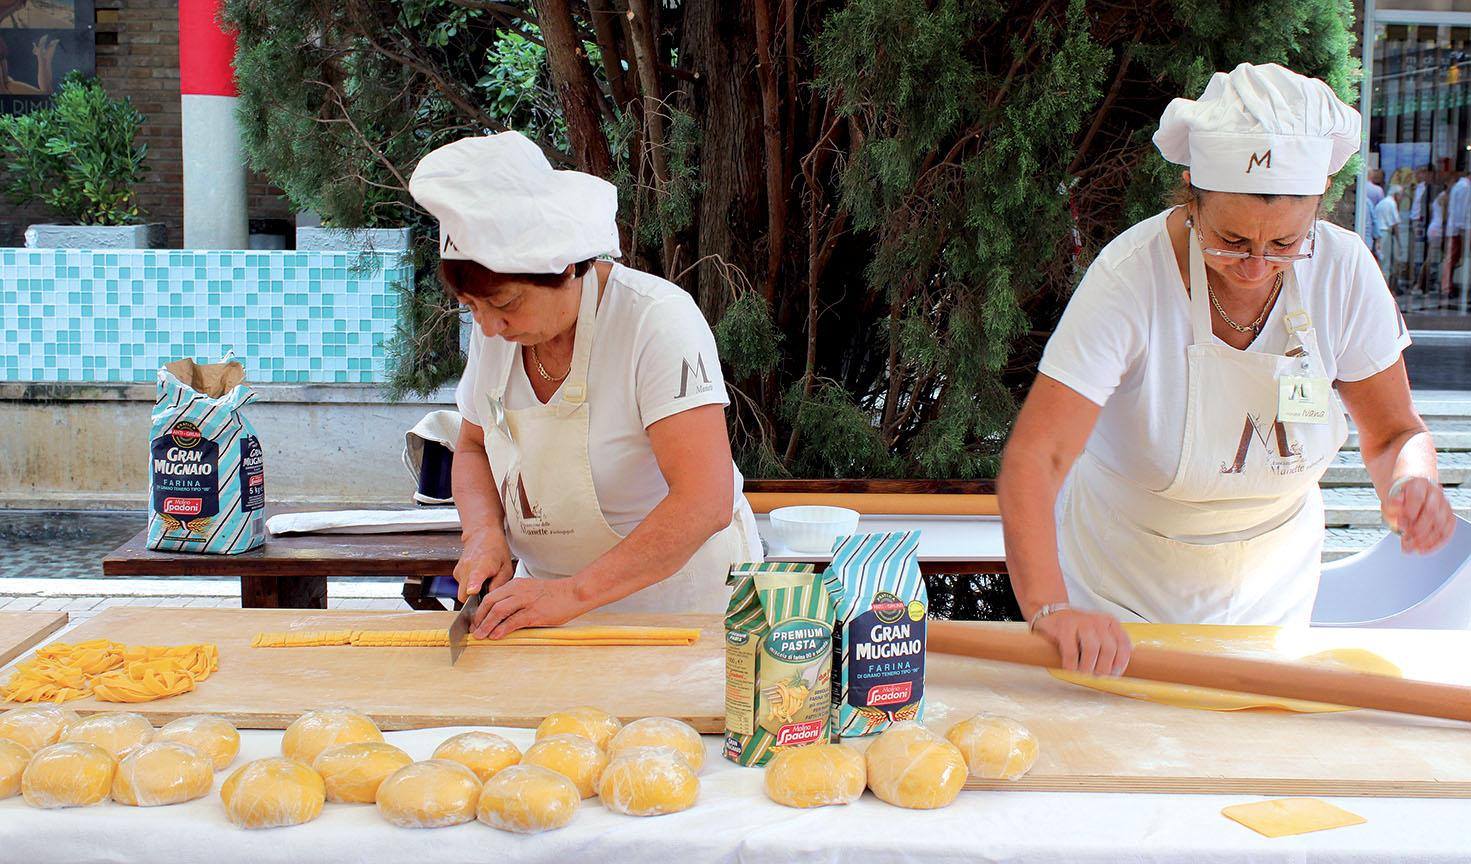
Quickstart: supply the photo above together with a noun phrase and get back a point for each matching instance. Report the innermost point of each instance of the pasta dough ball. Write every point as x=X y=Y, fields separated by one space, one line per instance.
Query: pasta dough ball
x=215 y=737
x=315 y=731
x=35 y=726
x=69 y=774
x=572 y=756
x=273 y=793
x=594 y=724
x=995 y=747
x=430 y=794
x=13 y=760
x=649 y=781
x=816 y=775
x=119 y=733
x=353 y=772
x=162 y=773
x=482 y=752
x=661 y=732
x=528 y=799
x=910 y=766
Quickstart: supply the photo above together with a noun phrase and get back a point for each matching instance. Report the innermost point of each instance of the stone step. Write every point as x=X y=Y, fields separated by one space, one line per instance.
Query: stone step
x=1358 y=507
x=1348 y=469
x=1343 y=542
x=1446 y=440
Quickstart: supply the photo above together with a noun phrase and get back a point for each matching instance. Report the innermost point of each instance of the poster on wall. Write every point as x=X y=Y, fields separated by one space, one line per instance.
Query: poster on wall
x=40 y=42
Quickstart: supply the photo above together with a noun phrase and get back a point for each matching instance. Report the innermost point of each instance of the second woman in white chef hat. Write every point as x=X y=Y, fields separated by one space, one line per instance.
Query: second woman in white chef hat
x=1165 y=465
x=593 y=446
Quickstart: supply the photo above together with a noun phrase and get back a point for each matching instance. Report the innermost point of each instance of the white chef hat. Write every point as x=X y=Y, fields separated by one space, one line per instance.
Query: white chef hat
x=500 y=204
x=1262 y=129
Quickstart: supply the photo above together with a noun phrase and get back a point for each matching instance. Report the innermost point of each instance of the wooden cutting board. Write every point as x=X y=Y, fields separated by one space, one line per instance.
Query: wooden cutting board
x=409 y=688
x=1098 y=742
x=21 y=631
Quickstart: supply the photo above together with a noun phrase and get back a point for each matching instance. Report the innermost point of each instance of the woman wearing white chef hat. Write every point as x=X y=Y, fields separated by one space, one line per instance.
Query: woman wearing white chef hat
x=1165 y=465
x=594 y=447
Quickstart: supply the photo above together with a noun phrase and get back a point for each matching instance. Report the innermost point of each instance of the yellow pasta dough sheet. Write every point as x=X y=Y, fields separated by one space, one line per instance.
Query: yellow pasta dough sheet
x=569 y=636
x=1260 y=643
x=1284 y=817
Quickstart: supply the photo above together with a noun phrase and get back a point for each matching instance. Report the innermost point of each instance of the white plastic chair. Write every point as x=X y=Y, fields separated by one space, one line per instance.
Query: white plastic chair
x=1383 y=587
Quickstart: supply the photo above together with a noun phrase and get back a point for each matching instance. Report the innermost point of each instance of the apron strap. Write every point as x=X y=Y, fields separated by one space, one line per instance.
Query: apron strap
x=1200 y=309
x=574 y=391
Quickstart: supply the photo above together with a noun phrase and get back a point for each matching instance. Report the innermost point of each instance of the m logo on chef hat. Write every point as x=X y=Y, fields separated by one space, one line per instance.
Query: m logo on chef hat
x=1264 y=160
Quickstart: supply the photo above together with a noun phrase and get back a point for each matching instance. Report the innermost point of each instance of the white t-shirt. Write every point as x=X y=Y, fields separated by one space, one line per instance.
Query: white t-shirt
x=653 y=356
x=1123 y=340
x=1460 y=209
x=1386 y=214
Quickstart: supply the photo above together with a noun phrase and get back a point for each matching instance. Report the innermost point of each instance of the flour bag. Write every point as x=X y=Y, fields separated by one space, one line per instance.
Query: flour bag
x=206 y=479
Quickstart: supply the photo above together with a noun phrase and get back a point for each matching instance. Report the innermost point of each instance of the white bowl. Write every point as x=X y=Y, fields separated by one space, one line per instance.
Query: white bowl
x=811 y=528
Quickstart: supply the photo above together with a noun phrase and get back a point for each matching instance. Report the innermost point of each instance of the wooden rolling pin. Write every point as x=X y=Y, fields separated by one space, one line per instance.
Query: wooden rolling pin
x=1264 y=677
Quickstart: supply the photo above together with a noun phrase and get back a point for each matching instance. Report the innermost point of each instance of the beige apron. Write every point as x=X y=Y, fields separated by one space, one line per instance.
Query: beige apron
x=1236 y=537
x=554 y=524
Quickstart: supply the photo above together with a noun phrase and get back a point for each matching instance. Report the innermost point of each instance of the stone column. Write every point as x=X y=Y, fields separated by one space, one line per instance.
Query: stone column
x=215 y=214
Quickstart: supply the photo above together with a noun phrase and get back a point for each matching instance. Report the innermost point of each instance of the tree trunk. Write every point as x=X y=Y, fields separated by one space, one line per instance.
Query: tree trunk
x=577 y=90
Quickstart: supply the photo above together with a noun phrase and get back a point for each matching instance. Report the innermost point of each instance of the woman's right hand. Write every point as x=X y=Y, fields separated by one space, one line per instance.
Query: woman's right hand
x=484 y=558
x=1089 y=642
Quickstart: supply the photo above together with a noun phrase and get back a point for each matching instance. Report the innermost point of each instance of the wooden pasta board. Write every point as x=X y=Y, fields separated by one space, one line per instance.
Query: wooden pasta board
x=1098 y=742
x=408 y=688
x=21 y=631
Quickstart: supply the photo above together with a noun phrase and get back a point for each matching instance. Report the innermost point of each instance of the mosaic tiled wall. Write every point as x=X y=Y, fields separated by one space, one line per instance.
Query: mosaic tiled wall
x=95 y=315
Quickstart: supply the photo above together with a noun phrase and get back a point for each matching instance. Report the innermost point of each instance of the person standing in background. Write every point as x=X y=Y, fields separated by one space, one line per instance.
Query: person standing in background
x=1386 y=227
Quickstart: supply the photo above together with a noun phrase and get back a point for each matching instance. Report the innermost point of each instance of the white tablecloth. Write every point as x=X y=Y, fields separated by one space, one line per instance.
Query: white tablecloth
x=733 y=821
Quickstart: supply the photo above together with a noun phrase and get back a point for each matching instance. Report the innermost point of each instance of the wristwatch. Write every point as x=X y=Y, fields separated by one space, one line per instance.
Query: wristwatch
x=1043 y=611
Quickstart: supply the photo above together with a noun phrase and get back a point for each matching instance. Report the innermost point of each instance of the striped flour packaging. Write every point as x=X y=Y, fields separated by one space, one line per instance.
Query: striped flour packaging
x=778 y=661
x=206 y=479
x=878 y=632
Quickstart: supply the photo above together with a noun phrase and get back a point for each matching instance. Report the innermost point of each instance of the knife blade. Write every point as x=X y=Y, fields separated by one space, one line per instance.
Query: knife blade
x=459 y=629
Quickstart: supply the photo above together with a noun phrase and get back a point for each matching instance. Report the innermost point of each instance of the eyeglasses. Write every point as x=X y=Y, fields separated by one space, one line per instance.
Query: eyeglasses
x=1234 y=255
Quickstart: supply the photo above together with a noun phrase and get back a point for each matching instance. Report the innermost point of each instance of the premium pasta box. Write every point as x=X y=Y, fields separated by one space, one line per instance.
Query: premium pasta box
x=778 y=661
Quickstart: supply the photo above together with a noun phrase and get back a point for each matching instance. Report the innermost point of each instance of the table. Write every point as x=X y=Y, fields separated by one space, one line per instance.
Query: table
x=947 y=544
x=733 y=821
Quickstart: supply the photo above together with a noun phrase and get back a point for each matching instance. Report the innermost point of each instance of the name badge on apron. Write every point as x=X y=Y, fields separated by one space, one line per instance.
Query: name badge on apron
x=1304 y=397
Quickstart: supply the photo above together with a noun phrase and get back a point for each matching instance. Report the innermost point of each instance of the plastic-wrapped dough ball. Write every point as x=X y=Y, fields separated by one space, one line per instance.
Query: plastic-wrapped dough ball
x=162 y=773
x=910 y=766
x=215 y=737
x=69 y=774
x=649 y=781
x=315 y=731
x=995 y=747
x=119 y=733
x=353 y=772
x=35 y=726
x=572 y=756
x=527 y=799
x=661 y=732
x=273 y=793
x=816 y=775
x=594 y=724
x=430 y=794
x=13 y=761
x=484 y=753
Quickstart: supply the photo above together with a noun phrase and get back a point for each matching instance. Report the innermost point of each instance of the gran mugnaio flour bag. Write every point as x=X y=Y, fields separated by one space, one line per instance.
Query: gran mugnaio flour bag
x=206 y=478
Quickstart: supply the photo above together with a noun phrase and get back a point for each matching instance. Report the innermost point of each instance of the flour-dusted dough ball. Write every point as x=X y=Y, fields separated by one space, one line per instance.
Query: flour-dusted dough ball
x=995 y=747
x=13 y=760
x=661 y=732
x=273 y=793
x=119 y=733
x=649 y=781
x=485 y=753
x=69 y=774
x=431 y=794
x=910 y=766
x=353 y=772
x=162 y=773
x=215 y=737
x=816 y=775
x=594 y=724
x=528 y=799
x=315 y=731
x=572 y=756
x=35 y=726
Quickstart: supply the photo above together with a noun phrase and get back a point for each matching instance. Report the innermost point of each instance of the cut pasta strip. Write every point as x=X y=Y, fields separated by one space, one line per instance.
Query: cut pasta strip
x=566 y=636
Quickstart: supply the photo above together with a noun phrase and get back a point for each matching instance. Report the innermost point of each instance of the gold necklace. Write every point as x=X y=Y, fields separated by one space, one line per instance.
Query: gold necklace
x=542 y=370
x=1255 y=327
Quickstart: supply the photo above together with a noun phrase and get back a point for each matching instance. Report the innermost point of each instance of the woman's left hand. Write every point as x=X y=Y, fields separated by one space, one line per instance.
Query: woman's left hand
x=1419 y=512
x=526 y=602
